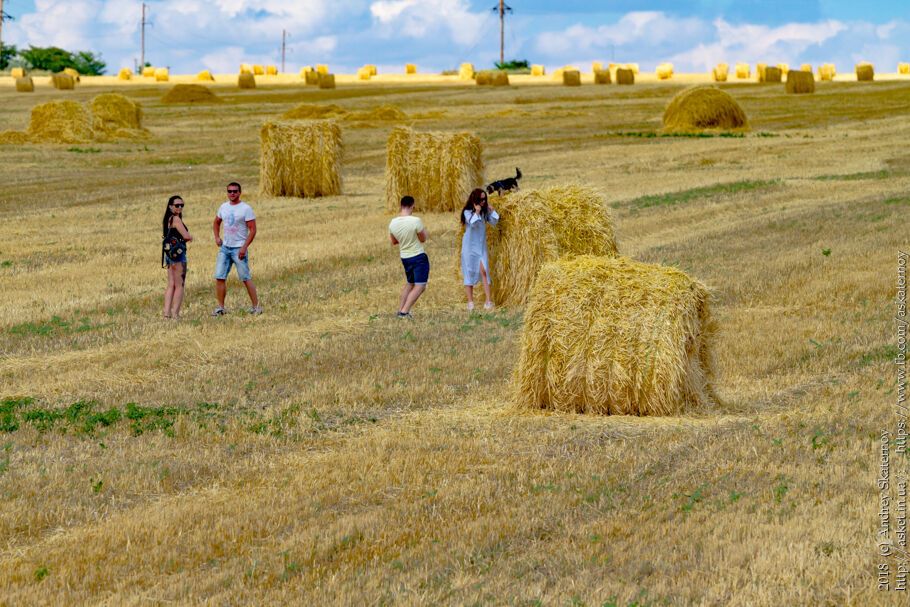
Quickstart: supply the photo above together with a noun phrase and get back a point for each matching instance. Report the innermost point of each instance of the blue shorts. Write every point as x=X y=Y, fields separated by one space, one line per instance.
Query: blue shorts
x=171 y=262
x=228 y=256
x=417 y=269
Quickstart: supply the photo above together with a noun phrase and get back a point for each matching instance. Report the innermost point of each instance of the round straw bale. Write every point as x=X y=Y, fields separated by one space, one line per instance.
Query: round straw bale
x=805 y=67
x=625 y=76
x=125 y=73
x=664 y=71
x=308 y=111
x=117 y=117
x=13 y=138
x=769 y=74
x=17 y=72
x=537 y=226
x=258 y=70
x=704 y=107
x=538 y=70
x=743 y=71
x=24 y=84
x=466 y=71
x=271 y=70
x=602 y=77
x=148 y=72
x=246 y=81
x=865 y=72
x=596 y=65
x=72 y=72
x=800 y=82
x=903 y=69
x=326 y=81
x=311 y=77
x=162 y=74
x=63 y=82
x=484 y=78
x=571 y=78
x=373 y=70
x=633 y=67
x=438 y=169
x=784 y=68
x=60 y=122
x=205 y=76
x=500 y=78
x=246 y=68
x=612 y=336
x=827 y=72
x=191 y=93
x=300 y=158
x=322 y=68
x=720 y=72
x=364 y=73
x=410 y=68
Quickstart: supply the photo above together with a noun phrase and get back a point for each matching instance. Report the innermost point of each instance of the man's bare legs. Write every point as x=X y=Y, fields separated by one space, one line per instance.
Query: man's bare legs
x=409 y=295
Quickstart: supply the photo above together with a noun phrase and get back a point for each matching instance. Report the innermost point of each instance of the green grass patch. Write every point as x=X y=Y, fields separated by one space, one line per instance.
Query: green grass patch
x=880 y=354
x=883 y=174
x=56 y=326
x=684 y=196
x=78 y=150
x=658 y=135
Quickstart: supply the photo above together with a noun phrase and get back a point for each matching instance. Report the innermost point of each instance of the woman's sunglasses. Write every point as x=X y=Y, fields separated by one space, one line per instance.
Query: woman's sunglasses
x=177 y=206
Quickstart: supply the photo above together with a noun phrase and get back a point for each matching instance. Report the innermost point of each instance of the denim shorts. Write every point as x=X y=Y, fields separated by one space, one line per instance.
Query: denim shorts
x=417 y=269
x=230 y=256
x=171 y=262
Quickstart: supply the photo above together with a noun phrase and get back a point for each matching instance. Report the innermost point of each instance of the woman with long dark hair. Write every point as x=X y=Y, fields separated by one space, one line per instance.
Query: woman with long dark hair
x=175 y=235
x=475 y=261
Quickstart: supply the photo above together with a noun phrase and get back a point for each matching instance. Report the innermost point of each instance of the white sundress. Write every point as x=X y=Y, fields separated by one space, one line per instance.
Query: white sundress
x=474 y=246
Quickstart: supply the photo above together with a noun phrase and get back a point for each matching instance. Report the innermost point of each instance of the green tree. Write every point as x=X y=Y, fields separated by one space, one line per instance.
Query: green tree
x=54 y=59
x=87 y=63
x=6 y=54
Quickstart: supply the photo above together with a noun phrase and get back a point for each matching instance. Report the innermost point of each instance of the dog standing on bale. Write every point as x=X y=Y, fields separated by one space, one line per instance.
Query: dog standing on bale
x=505 y=185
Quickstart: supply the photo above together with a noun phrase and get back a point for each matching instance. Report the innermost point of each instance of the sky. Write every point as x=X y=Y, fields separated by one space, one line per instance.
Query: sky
x=694 y=35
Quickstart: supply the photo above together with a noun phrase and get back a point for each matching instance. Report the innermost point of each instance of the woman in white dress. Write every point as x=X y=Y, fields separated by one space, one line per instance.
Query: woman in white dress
x=475 y=262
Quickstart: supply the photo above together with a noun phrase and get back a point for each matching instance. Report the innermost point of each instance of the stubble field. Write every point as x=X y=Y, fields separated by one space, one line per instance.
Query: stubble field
x=328 y=453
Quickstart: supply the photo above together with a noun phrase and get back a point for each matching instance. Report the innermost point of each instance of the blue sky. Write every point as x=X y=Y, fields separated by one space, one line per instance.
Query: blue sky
x=190 y=35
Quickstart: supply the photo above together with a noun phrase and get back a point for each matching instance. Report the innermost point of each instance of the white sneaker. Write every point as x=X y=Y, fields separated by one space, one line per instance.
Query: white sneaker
x=488 y=305
x=470 y=306
x=255 y=310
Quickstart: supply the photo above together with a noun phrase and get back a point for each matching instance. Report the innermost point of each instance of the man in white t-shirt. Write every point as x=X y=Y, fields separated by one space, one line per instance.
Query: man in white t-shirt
x=239 y=223
x=407 y=231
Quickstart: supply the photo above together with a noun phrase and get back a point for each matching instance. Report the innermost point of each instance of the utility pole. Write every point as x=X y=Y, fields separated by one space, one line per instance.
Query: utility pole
x=142 y=52
x=2 y=17
x=502 y=9
x=283 y=37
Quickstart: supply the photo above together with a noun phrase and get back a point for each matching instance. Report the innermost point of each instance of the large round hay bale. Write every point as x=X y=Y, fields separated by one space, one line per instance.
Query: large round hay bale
x=116 y=117
x=770 y=74
x=625 y=75
x=300 y=158
x=148 y=72
x=271 y=70
x=72 y=72
x=571 y=78
x=24 y=84
x=602 y=77
x=326 y=81
x=205 y=76
x=438 y=169
x=784 y=69
x=245 y=68
x=191 y=93
x=612 y=336
x=246 y=81
x=466 y=71
x=538 y=70
x=311 y=77
x=373 y=69
x=664 y=71
x=903 y=69
x=484 y=78
x=720 y=72
x=125 y=73
x=162 y=74
x=17 y=72
x=60 y=122
x=800 y=82
x=538 y=226
x=410 y=68
x=702 y=108
x=364 y=73
x=743 y=71
x=806 y=67
x=63 y=82
x=500 y=78
x=322 y=68
x=258 y=70
x=827 y=72
x=865 y=72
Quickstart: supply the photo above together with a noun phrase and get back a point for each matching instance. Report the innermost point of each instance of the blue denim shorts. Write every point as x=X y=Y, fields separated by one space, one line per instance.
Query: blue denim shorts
x=171 y=262
x=417 y=269
x=229 y=256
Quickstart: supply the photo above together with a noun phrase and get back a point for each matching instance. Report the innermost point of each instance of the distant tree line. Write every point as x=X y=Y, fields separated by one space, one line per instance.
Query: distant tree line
x=52 y=59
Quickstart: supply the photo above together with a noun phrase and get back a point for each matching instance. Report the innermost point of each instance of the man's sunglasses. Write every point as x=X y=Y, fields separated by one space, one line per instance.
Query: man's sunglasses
x=233 y=191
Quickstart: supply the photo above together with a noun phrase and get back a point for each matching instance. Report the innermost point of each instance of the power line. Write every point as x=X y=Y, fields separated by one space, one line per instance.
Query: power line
x=503 y=8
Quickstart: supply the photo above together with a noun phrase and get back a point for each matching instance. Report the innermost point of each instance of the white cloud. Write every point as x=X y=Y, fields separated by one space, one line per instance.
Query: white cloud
x=417 y=20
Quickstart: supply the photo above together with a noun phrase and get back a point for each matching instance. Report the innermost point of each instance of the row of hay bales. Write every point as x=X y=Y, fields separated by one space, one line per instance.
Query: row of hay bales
x=865 y=71
x=107 y=117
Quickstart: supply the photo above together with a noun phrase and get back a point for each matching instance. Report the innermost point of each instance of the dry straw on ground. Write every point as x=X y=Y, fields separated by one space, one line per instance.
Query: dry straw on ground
x=191 y=93
x=612 y=336
x=381 y=113
x=63 y=82
x=300 y=158
x=602 y=77
x=538 y=226
x=827 y=72
x=125 y=74
x=246 y=80
x=800 y=82
x=17 y=72
x=865 y=72
x=24 y=84
x=743 y=71
x=500 y=78
x=720 y=72
x=625 y=76
x=466 y=71
x=438 y=169
x=664 y=71
x=538 y=70
x=705 y=107
x=308 y=111
x=116 y=117
x=205 y=76
x=13 y=138
x=326 y=81
x=60 y=122
x=571 y=78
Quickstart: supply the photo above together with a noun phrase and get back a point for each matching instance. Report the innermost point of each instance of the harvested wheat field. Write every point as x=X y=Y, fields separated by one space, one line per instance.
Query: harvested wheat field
x=327 y=453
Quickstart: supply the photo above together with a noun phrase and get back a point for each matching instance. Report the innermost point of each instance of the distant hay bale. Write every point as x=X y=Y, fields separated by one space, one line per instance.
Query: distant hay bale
x=602 y=77
x=571 y=78
x=800 y=82
x=770 y=74
x=720 y=72
x=24 y=84
x=246 y=80
x=664 y=71
x=410 y=68
x=596 y=65
x=806 y=67
x=326 y=81
x=60 y=122
x=258 y=70
x=116 y=117
x=613 y=336
x=382 y=113
x=13 y=138
x=784 y=69
x=63 y=82
x=300 y=158
x=271 y=70
x=557 y=75
x=903 y=69
x=484 y=78
x=205 y=76
x=246 y=68
x=705 y=107
x=72 y=72
x=827 y=72
x=311 y=77
x=743 y=71
x=364 y=73
x=538 y=70
x=17 y=72
x=161 y=74
x=191 y=93
x=125 y=74
x=865 y=72
x=625 y=76
x=633 y=67
x=148 y=72
x=438 y=169
x=760 y=70
x=466 y=71
x=373 y=70
x=322 y=68
x=500 y=78
x=539 y=226
x=310 y=111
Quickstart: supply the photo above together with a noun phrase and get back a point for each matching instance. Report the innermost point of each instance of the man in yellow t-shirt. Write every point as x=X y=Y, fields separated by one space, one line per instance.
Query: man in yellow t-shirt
x=408 y=232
